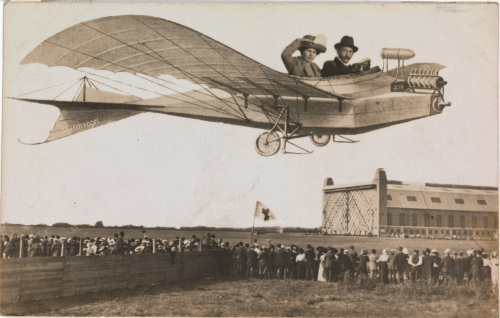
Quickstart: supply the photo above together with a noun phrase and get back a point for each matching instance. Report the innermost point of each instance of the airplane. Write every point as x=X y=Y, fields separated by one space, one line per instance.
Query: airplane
x=233 y=88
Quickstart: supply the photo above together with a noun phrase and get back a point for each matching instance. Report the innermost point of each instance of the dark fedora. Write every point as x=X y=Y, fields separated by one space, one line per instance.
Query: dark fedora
x=317 y=42
x=346 y=41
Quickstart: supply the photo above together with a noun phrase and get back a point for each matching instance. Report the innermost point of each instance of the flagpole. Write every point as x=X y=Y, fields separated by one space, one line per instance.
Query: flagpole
x=253 y=225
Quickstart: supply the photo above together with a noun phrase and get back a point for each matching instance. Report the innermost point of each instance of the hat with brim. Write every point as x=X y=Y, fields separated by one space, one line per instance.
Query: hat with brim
x=314 y=42
x=346 y=41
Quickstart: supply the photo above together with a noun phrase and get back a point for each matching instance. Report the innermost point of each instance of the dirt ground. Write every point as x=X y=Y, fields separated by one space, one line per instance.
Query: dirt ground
x=228 y=297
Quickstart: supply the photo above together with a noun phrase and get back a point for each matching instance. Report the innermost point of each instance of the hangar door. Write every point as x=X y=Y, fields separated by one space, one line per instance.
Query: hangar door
x=348 y=212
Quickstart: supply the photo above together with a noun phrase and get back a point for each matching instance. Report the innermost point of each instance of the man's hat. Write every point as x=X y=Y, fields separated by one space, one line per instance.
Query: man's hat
x=346 y=41
x=314 y=42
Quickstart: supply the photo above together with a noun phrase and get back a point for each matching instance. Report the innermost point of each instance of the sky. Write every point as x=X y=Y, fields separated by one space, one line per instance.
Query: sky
x=157 y=170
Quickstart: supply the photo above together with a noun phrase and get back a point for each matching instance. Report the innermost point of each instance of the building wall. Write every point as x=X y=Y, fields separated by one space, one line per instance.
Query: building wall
x=439 y=222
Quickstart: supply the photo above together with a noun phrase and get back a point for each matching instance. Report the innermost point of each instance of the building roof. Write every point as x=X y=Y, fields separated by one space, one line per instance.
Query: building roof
x=442 y=197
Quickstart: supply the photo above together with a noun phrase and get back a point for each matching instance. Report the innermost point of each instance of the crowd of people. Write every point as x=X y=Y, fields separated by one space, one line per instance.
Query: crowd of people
x=36 y=246
x=327 y=264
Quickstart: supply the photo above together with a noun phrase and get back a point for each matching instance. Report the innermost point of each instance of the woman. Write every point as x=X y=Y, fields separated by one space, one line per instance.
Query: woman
x=372 y=265
x=486 y=270
x=301 y=264
x=494 y=271
x=309 y=47
x=384 y=269
x=321 y=275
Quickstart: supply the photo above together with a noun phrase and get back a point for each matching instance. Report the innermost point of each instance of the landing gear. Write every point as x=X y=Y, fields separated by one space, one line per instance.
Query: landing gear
x=268 y=143
x=320 y=140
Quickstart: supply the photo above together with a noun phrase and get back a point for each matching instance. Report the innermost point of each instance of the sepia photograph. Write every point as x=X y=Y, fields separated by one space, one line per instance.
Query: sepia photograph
x=250 y=159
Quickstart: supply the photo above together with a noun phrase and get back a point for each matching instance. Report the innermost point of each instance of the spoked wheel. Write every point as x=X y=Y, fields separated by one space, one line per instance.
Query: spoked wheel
x=268 y=144
x=320 y=140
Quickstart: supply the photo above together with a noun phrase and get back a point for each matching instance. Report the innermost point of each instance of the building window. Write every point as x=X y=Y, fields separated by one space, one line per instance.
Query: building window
x=397 y=230
x=454 y=232
x=442 y=232
x=450 y=221
x=481 y=202
x=435 y=200
x=411 y=198
x=414 y=220
x=477 y=232
x=389 y=197
x=459 y=201
x=411 y=231
x=427 y=220
x=488 y=233
x=439 y=221
x=495 y=222
x=482 y=232
x=435 y=231
x=447 y=232
x=389 y=218
x=417 y=231
x=474 y=222
x=462 y=221
x=401 y=219
x=485 y=222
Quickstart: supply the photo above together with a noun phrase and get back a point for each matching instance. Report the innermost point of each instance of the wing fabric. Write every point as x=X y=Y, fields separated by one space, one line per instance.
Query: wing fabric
x=155 y=47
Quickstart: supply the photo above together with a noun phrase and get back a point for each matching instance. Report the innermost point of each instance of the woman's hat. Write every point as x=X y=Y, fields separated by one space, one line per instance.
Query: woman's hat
x=346 y=41
x=314 y=42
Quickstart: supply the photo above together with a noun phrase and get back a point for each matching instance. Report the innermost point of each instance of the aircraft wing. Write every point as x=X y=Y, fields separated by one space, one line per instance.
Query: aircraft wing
x=154 y=47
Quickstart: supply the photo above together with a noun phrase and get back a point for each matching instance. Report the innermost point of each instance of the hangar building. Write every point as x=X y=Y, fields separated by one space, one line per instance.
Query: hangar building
x=383 y=207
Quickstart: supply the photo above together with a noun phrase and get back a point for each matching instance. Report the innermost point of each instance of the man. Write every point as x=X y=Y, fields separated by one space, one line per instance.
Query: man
x=354 y=260
x=282 y=261
x=415 y=262
x=436 y=266
x=391 y=267
x=340 y=65
x=476 y=265
x=330 y=265
x=118 y=248
x=263 y=258
x=310 y=259
x=252 y=262
x=400 y=264
x=238 y=259
x=309 y=47
x=427 y=264
x=345 y=264
x=448 y=266
x=459 y=265
x=292 y=262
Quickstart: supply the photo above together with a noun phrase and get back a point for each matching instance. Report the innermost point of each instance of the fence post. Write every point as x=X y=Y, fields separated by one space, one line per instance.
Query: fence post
x=62 y=248
x=220 y=241
x=80 y=248
x=180 y=244
x=154 y=246
x=200 y=248
x=21 y=248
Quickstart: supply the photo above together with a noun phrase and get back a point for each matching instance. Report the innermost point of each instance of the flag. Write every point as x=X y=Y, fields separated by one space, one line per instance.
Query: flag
x=263 y=212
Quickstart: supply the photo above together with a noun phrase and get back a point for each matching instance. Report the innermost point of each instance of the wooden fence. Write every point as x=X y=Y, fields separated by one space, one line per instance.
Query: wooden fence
x=23 y=279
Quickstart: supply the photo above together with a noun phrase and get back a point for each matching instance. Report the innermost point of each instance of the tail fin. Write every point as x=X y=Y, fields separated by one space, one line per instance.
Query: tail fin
x=77 y=117
x=95 y=108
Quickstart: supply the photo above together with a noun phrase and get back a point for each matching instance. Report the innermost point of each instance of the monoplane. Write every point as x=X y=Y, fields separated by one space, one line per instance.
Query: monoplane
x=233 y=88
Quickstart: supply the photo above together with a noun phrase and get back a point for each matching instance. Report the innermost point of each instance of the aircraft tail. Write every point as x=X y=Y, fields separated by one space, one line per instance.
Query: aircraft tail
x=74 y=121
x=91 y=109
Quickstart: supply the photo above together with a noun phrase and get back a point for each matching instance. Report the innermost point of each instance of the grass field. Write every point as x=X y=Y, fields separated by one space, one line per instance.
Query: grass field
x=286 y=238
x=230 y=297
